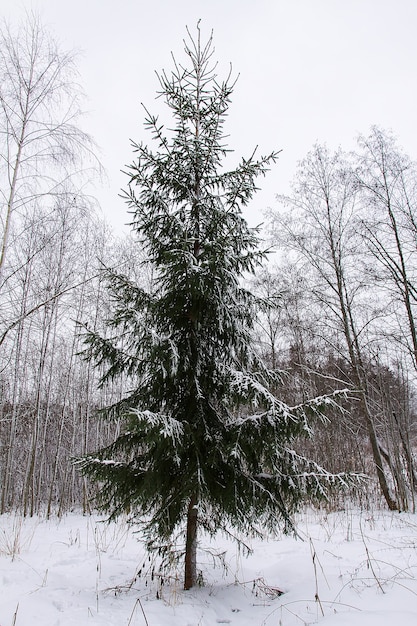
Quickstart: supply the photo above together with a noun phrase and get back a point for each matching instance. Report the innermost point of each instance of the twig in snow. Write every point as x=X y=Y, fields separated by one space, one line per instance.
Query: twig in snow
x=133 y=611
x=314 y=557
x=15 y=615
x=369 y=562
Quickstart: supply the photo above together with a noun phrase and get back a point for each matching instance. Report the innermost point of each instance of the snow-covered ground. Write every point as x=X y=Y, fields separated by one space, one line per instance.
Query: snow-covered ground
x=348 y=568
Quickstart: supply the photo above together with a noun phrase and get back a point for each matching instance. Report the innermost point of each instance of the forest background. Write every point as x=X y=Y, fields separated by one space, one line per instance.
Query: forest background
x=344 y=286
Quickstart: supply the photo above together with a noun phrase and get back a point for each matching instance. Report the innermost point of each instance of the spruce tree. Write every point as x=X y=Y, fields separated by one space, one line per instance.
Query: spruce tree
x=205 y=441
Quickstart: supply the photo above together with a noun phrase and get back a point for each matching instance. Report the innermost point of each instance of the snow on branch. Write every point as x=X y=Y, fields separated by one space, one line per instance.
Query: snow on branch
x=168 y=427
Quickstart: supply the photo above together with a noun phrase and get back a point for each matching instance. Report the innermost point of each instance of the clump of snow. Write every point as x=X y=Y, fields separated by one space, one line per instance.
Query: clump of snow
x=350 y=567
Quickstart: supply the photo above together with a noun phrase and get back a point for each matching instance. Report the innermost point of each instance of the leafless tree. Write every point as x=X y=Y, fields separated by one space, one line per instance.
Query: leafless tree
x=45 y=263
x=321 y=230
x=387 y=180
x=41 y=143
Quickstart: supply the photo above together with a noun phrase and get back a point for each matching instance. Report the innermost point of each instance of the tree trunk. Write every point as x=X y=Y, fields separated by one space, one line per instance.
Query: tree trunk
x=191 y=545
x=377 y=456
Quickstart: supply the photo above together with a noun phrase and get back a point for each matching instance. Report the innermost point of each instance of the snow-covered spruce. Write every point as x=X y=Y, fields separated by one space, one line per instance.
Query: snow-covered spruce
x=205 y=439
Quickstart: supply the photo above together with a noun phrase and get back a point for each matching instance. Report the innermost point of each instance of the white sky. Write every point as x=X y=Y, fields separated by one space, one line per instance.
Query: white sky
x=310 y=70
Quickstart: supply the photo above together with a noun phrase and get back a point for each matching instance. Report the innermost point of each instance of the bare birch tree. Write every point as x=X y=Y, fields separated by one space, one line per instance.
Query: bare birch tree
x=41 y=143
x=320 y=229
x=45 y=158
x=387 y=179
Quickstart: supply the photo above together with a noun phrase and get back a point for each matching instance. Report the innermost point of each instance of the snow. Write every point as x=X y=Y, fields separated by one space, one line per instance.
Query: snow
x=348 y=567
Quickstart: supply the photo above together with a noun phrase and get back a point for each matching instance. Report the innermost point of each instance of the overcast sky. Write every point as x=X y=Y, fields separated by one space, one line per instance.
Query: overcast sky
x=310 y=70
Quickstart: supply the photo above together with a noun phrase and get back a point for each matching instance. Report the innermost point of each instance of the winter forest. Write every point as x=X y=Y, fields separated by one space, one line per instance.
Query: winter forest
x=196 y=372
